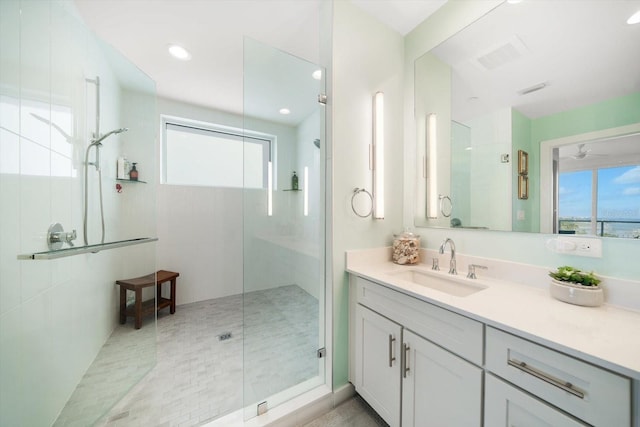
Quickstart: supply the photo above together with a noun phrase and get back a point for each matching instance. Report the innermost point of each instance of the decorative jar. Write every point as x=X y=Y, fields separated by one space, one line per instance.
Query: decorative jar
x=406 y=248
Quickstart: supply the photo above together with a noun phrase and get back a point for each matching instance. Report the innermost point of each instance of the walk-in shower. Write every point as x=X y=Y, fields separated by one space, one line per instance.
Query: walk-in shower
x=96 y=143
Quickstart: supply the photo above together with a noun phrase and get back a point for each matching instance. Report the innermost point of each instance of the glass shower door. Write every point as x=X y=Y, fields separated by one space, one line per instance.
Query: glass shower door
x=283 y=224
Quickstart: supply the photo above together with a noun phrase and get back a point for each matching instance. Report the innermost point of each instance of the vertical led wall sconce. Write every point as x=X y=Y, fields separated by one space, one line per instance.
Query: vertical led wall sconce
x=432 y=166
x=305 y=190
x=378 y=155
x=270 y=188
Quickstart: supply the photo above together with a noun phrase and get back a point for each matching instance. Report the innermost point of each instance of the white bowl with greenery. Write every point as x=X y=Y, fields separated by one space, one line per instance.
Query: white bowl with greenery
x=574 y=286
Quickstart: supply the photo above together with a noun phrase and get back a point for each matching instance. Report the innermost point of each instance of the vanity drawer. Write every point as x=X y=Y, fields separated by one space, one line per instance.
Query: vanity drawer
x=458 y=334
x=592 y=394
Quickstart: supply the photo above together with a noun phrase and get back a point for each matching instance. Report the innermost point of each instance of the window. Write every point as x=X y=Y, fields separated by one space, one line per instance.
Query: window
x=203 y=154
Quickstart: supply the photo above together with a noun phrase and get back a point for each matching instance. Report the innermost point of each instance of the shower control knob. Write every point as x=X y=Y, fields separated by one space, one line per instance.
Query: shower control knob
x=56 y=236
x=70 y=237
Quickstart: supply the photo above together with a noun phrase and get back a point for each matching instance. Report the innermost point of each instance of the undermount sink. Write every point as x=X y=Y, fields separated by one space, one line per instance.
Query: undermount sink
x=452 y=285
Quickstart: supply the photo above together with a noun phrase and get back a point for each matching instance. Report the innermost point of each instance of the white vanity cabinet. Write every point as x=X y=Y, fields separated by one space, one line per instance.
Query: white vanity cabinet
x=507 y=406
x=378 y=365
x=587 y=392
x=392 y=353
x=438 y=388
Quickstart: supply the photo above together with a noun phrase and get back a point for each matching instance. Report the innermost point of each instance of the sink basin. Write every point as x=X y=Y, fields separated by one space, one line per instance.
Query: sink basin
x=452 y=285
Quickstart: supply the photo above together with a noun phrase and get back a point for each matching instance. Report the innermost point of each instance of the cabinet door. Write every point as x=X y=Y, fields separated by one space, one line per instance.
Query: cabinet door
x=507 y=406
x=378 y=363
x=438 y=387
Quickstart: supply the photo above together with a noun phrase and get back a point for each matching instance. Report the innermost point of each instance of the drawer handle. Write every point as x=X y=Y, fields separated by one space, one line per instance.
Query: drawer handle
x=391 y=357
x=564 y=385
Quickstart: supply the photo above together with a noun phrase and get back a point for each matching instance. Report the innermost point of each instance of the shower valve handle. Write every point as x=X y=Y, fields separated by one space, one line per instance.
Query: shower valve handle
x=70 y=237
x=57 y=237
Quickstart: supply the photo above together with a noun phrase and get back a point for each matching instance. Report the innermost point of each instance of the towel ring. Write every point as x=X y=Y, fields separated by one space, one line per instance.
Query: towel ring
x=355 y=193
x=442 y=205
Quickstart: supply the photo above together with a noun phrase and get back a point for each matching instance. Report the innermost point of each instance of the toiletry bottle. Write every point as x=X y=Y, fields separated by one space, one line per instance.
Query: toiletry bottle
x=133 y=173
x=294 y=181
x=120 y=168
x=127 y=167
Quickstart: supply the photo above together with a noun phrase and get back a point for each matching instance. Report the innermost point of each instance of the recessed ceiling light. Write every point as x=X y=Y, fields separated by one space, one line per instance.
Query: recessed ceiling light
x=634 y=19
x=513 y=1
x=317 y=74
x=284 y=111
x=179 y=52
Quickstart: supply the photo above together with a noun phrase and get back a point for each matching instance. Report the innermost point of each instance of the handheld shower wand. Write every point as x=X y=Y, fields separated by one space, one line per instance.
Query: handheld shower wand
x=97 y=143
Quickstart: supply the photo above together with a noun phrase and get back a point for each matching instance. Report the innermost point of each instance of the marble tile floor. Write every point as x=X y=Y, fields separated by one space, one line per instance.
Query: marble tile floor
x=355 y=412
x=197 y=377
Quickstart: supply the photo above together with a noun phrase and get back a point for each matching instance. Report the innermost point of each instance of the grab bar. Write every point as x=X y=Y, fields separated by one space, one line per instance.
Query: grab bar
x=564 y=385
x=78 y=250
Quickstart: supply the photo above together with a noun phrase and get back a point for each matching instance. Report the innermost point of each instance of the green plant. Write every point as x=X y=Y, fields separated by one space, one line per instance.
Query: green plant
x=574 y=275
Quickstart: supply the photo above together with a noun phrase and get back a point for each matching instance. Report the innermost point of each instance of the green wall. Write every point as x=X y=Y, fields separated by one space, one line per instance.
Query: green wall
x=611 y=113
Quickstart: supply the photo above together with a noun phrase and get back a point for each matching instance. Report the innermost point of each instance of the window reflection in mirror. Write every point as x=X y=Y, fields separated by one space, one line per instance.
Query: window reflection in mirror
x=599 y=188
x=523 y=74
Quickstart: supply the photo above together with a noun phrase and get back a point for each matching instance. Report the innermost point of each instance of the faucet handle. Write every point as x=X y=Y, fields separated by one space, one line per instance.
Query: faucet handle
x=472 y=270
x=435 y=265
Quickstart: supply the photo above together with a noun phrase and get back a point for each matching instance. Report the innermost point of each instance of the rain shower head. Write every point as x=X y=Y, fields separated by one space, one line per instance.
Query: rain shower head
x=108 y=134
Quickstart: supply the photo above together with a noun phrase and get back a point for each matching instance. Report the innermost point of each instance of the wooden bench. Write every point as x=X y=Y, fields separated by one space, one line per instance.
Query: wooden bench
x=142 y=308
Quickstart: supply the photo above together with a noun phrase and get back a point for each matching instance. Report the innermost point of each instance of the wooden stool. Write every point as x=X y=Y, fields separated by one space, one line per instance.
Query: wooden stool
x=141 y=308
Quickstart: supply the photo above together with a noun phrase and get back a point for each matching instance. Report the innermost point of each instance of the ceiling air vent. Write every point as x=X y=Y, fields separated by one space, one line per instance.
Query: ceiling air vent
x=533 y=88
x=505 y=53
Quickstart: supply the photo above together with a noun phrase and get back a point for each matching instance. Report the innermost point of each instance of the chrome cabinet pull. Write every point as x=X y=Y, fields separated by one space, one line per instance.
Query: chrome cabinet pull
x=564 y=385
x=406 y=369
x=391 y=357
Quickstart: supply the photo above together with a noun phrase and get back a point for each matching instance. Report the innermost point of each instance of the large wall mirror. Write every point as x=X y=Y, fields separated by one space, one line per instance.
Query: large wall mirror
x=529 y=120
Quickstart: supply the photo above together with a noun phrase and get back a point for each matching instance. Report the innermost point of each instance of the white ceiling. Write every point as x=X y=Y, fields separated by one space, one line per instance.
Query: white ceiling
x=591 y=35
x=584 y=51
x=213 y=31
x=400 y=15
x=611 y=152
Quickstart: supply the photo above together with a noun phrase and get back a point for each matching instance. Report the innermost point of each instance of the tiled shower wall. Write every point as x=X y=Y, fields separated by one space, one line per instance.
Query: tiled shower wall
x=56 y=314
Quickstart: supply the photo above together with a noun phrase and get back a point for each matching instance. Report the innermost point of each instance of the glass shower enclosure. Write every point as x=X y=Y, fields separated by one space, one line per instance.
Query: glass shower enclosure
x=283 y=227
x=58 y=298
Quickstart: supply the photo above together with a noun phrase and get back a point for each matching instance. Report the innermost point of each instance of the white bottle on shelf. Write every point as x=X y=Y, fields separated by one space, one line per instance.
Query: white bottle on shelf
x=123 y=167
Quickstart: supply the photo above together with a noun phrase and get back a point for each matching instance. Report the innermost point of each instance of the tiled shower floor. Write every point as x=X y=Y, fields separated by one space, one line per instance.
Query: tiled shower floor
x=197 y=377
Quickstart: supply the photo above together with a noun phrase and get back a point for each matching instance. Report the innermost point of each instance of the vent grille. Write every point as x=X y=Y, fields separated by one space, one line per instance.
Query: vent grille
x=505 y=53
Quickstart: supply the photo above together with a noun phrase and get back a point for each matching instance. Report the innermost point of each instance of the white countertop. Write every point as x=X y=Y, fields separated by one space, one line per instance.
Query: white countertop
x=606 y=336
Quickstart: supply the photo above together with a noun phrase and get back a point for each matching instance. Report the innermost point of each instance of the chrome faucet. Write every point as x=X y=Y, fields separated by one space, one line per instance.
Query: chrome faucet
x=452 y=263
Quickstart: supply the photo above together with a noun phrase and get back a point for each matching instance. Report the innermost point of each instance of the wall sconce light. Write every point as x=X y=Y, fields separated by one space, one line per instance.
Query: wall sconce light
x=270 y=188
x=378 y=155
x=305 y=192
x=432 y=167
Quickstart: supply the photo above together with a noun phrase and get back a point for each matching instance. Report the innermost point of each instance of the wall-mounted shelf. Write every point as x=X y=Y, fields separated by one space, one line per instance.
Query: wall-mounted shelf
x=62 y=253
x=130 y=181
x=292 y=189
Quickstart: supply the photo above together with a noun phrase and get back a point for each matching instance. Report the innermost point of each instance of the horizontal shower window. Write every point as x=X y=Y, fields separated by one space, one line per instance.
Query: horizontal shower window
x=202 y=154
